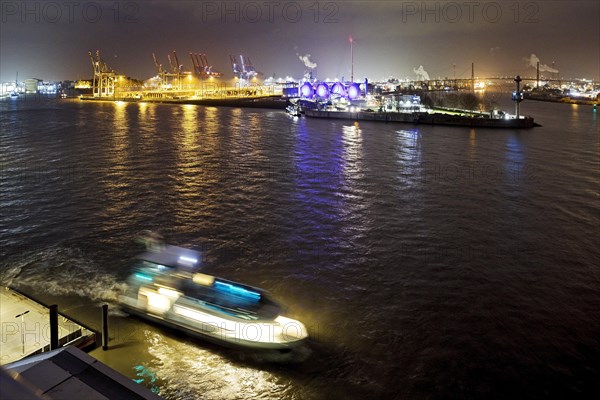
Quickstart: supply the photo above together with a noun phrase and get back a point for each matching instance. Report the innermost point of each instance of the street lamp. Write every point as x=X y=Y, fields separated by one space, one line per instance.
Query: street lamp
x=22 y=315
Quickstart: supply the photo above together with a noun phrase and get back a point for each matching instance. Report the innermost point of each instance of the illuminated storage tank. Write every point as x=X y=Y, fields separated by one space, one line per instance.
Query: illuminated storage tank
x=307 y=91
x=339 y=89
x=322 y=90
x=353 y=91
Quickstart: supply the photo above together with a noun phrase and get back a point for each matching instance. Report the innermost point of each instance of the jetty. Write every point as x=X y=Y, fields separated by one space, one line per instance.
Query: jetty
x=27 y=328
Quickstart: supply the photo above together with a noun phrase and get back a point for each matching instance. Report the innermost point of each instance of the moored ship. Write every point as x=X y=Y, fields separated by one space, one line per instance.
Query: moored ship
x=481 y=120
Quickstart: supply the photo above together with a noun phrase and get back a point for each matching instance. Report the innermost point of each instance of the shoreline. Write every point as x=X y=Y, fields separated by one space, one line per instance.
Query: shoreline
x=270 y=102
x=562 y=100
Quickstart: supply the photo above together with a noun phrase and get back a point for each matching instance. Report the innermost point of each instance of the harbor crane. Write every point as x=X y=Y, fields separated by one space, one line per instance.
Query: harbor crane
x=201 y=67
x=175 y=66
x=158 y=66
x=161 y=73
x=167 y=77
x=104 y=76
x=244 y=69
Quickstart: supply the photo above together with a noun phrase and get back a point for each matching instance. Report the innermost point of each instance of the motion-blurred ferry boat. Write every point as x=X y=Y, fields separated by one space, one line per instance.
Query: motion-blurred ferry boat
x=166 y=287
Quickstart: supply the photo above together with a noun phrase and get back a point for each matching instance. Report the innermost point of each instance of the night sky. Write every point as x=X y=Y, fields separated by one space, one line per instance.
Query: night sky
x=50 y=40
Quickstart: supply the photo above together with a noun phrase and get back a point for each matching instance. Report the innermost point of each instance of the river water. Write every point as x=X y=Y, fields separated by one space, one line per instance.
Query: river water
x=427 y=262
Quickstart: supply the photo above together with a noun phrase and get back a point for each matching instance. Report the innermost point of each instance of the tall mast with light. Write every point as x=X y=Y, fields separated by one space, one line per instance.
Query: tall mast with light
x=351 y=60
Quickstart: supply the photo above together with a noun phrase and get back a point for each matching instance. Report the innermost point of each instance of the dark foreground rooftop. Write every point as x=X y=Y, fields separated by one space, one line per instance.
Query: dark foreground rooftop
x=67 y=373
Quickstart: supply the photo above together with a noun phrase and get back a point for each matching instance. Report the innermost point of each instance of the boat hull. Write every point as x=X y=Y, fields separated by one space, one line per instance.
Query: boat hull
x=232 y=343
x=425 y=118
x=212 y=332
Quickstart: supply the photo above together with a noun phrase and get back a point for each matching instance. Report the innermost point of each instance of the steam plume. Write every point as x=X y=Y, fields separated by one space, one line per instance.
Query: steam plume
x=307 y=62
x=421 y=73
x=533 y=60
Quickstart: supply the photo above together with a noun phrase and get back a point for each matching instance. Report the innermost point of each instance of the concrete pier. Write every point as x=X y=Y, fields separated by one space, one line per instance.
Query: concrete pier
x=26 y=328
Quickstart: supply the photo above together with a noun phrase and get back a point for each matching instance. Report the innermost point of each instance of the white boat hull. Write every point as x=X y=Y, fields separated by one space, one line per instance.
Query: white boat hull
x=280 y=334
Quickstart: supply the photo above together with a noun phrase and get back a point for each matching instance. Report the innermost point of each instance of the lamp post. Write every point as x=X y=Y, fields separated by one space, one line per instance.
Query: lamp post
x=22 y=315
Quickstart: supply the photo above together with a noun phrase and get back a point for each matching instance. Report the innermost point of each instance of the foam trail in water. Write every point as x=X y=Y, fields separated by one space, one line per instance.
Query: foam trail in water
x=62 y=271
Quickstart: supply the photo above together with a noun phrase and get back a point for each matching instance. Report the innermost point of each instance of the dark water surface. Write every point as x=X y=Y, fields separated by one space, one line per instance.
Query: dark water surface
x=427 y=262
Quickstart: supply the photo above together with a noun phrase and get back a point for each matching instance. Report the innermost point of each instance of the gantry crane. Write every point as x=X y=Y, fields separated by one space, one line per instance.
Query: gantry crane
x=104 y=77
x=201 y=67
x=162 y=74
x=244 y=69
x=167 y=77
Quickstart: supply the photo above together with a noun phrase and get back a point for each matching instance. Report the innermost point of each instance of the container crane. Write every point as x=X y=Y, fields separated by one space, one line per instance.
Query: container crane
x=104 y=76
x=158 y=66
x=244 y=69
x=167 y=77
x=201 y=66
x=161 y=73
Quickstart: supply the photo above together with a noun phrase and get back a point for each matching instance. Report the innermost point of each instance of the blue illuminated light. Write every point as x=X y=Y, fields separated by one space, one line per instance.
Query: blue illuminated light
x=236 y=290
x=144 y=277
x=143 y=373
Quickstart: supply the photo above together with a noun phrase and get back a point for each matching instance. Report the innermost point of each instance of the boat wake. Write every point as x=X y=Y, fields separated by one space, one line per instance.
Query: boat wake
x=296 y=355
x=209 y=375
x=61 y=271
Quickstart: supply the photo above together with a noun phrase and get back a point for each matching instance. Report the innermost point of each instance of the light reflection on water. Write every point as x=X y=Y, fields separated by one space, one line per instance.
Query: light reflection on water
x=352 y=153
x=408 y=157
x=189 y=149
x=208 y=373
x=472 y=144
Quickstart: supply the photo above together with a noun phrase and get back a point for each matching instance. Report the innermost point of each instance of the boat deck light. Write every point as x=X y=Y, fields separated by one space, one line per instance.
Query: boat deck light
x=236 y=290
x=144 y=277
x=188 y=259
